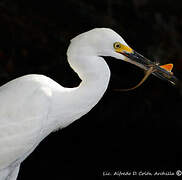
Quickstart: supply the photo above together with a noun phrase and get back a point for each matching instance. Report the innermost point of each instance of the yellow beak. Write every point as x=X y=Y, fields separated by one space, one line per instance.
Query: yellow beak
x=163 y=72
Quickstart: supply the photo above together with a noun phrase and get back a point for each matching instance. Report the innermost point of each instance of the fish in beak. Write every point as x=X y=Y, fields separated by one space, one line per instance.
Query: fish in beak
x=161 y=71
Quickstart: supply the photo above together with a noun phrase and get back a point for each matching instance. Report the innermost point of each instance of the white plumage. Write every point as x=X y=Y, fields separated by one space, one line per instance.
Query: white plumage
x=33 y=106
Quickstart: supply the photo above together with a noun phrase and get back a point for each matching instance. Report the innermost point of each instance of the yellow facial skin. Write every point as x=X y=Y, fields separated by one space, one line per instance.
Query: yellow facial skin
x=120 y=48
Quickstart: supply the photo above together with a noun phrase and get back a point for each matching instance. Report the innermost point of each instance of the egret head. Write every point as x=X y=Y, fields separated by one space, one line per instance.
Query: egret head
x=100 y=42
x=106 y=42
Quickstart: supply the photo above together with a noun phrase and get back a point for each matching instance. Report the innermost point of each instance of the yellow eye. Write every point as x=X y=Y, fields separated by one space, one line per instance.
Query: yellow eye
x=117 y=45
x=122 y=48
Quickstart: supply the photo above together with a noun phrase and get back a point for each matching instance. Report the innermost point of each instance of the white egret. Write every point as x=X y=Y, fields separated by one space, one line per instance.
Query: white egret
x=33 y=106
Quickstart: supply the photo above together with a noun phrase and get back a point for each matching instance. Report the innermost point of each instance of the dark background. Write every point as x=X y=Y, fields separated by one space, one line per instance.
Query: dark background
x=136 y=130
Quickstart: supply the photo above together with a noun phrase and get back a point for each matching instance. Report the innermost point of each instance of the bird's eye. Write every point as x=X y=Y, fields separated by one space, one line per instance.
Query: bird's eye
x=117 y=45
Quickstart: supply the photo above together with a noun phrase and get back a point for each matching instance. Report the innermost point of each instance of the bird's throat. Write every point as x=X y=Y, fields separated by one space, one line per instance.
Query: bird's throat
x=93 y=85
x=78 y=101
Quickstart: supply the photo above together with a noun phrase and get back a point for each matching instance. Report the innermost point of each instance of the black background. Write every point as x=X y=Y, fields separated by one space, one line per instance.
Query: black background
x=136 y=130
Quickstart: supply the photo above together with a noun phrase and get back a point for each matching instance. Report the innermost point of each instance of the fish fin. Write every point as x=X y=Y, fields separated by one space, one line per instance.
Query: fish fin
x=167 y=67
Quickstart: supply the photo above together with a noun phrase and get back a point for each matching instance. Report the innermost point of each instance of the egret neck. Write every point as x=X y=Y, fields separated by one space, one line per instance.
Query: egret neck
x=94 y=82
x=94 y=74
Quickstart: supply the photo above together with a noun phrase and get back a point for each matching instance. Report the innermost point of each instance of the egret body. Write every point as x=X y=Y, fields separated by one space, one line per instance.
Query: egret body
x=33 y=106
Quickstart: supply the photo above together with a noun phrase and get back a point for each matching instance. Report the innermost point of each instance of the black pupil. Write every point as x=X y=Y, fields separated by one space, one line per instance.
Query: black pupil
x=117 y=45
